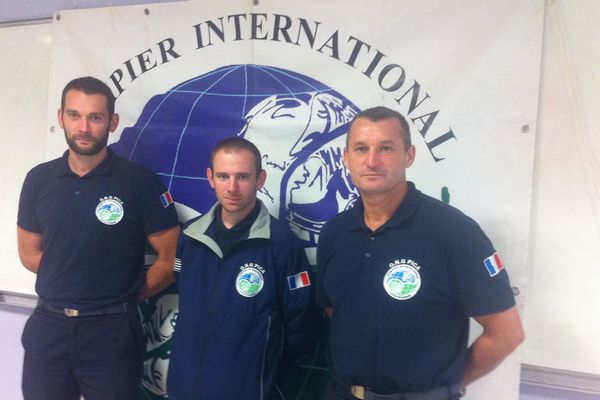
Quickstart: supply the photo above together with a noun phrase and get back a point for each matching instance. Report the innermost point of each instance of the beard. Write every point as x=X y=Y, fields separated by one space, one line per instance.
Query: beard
x=97 y=146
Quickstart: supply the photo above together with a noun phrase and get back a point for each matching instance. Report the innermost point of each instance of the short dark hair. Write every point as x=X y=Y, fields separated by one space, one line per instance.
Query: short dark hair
x=90 y=85
x=237 y=143
x=379 y=113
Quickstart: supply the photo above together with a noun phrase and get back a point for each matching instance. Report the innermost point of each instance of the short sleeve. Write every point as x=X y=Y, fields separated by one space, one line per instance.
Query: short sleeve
x=481 y=288
x=27 y=215
x=157 y=205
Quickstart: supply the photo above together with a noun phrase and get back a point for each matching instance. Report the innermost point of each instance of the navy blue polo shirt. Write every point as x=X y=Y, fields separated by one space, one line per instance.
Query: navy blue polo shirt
x=402 y=295
x=93 y=229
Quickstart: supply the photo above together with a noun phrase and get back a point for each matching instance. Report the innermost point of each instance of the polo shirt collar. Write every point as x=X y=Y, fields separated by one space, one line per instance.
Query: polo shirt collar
x=243 y=226
x=406 y=209
x=103 y=168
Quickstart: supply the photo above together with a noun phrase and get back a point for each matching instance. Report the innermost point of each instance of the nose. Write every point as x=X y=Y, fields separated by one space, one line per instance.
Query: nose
x=84 y=125
x=232 y=184
x=372 y=159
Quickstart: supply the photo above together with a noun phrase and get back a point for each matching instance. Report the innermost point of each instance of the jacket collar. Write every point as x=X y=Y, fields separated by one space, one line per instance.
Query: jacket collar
x=260 y=229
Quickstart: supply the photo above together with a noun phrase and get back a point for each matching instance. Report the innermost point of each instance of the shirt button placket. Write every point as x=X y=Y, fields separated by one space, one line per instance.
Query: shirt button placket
x=77 y=190
x=369 y=251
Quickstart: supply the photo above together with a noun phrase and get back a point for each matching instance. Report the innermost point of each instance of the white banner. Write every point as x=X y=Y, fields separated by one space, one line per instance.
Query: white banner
x=290 y=75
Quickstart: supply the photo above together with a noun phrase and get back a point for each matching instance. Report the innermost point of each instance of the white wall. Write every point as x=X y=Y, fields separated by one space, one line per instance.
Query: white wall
x=12 y=320
x=563 y=298
x=23 y=109
x=19 y=10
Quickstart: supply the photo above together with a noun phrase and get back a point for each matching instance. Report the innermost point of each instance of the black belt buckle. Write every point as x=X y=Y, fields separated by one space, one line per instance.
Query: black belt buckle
x=74 y=313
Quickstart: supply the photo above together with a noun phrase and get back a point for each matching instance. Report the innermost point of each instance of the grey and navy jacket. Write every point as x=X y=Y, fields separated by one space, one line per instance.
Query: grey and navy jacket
x=242 y=317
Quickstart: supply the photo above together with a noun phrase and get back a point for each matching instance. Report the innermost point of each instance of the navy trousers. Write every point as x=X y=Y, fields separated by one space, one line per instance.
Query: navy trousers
x=99 y=357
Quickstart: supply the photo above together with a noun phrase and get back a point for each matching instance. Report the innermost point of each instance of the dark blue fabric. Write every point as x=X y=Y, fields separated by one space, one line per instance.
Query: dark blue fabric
x=97 y=357
x=228 y=238
x=227 y=346
x=415 y=344
x=88 y=264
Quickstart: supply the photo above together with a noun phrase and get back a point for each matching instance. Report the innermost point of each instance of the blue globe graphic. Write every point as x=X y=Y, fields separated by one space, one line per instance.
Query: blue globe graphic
x=403 y=277
x=298 y=124
x=250 y=278
x=108 y=208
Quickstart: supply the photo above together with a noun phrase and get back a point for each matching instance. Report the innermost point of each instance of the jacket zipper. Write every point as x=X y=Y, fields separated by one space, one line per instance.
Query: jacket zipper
x=208 y=325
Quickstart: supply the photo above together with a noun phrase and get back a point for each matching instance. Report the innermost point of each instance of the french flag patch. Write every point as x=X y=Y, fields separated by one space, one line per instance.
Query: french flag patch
x=298 y=281
x=493 y=264
x=166 y=199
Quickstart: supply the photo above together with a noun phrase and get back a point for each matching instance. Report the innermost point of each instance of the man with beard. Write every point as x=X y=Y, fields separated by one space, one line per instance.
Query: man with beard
x=82 y=226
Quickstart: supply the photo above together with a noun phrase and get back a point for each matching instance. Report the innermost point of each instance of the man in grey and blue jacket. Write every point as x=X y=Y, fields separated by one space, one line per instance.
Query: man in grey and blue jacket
x=246 y=306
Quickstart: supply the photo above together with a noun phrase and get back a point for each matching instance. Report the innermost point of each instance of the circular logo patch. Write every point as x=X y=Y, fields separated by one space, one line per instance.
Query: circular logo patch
x=249 y=282
x=109 y=211
x=402 y=281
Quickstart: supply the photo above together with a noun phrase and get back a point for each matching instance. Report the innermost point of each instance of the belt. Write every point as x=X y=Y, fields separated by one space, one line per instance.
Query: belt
x=440 y=393
x=72 y=312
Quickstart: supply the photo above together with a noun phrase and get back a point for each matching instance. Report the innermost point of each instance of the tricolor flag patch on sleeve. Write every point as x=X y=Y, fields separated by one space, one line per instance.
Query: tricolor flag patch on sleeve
x=493 y=264
x=298 y=281
x=166 y=199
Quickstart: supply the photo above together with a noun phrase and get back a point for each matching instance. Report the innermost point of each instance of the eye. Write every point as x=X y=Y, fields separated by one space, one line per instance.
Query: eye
x=243 y=177
x=386 y=149
x=96 y=118
x=361 y=149
x=222 y=177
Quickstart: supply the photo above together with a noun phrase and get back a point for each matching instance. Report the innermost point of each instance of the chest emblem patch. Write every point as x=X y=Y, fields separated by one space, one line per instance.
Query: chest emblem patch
x=402 y=281
x=249 y=282
x=110 y=210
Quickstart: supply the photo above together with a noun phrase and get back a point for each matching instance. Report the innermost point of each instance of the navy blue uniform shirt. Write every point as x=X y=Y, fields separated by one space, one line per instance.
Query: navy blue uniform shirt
x=93 y=229
x=402 y=295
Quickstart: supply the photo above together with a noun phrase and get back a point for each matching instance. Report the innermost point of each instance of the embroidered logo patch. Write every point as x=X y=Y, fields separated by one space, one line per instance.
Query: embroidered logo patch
x=249 y=282
x=298 y=281
x=402 y=281
x=493 y=264
x=110 y=210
